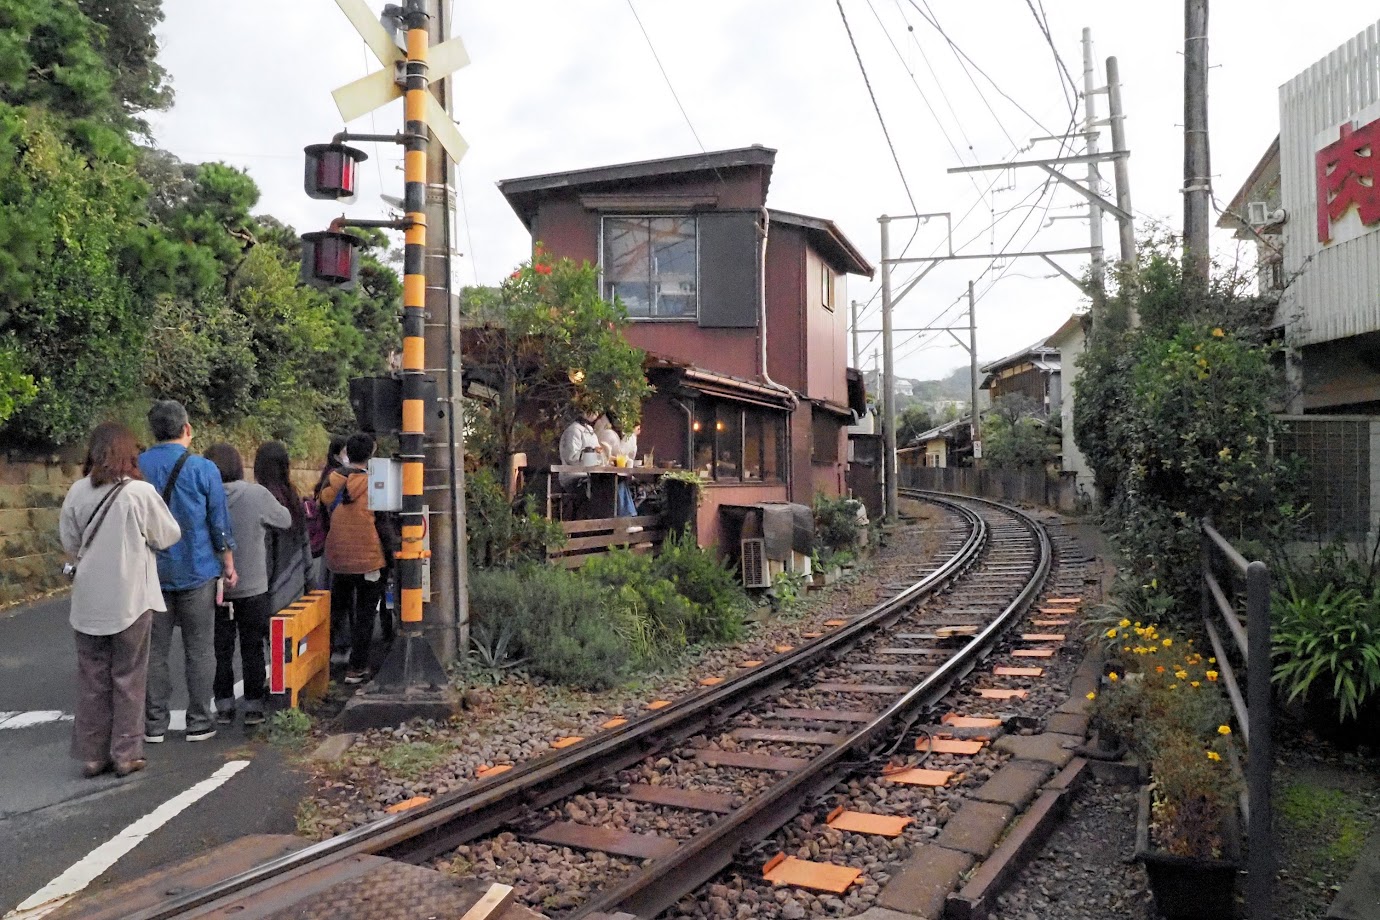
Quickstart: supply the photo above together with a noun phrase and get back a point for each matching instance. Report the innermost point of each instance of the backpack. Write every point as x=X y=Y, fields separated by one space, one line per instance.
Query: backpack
x=318 y=525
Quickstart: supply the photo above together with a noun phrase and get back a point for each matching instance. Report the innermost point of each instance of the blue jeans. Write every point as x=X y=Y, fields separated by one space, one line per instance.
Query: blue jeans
x=626 y=507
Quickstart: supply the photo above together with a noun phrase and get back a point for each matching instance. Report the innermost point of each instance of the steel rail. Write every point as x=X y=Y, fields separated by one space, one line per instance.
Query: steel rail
x=451 y=820
x=663 y=883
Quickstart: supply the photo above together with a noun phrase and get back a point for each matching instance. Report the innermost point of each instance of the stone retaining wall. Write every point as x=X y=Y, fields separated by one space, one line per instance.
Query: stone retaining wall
x=31 y=494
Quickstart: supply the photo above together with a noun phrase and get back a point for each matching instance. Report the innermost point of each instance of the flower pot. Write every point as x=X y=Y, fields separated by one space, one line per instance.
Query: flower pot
x=1186 y=888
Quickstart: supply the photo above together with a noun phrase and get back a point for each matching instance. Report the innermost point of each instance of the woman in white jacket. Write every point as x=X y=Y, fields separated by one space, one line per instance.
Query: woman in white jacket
x=110 y=525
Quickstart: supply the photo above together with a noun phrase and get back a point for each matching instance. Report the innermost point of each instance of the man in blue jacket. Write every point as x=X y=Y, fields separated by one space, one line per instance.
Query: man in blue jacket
x=187 y=571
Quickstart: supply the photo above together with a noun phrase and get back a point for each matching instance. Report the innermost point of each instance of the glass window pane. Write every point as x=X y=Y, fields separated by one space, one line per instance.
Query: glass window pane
x=752 y=444
x=773 y=446
x=703 y=430
x=728 y=442
x=627 y=263
x=673 y=265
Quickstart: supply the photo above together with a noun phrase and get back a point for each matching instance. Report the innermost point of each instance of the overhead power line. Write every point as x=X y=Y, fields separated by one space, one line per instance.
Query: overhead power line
x=873 y=96
x=1042 y=22
x=656 y=57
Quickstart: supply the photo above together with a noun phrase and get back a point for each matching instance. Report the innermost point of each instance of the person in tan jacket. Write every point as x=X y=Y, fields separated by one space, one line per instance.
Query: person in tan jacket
x=354 y=553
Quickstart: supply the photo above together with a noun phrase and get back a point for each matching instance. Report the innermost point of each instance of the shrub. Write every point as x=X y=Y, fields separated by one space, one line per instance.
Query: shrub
x=1330 y=640
x=699 y=576
x=837 y=524
x=656 y=619
x=500 y=533
x=565 y=625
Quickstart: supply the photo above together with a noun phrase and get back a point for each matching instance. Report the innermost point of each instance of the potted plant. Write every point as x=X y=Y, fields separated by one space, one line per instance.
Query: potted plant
x=1167 y=707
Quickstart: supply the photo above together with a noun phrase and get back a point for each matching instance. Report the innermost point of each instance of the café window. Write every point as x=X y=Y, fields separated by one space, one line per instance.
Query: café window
x=652 y=265
x=737 y=443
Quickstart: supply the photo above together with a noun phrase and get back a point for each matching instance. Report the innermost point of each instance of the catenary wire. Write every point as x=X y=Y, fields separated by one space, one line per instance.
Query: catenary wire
x=656 y=57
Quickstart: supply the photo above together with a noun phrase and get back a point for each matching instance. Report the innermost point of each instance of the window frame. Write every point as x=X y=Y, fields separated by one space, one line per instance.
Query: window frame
x=826 y=285
x=692 y=317
x=713 y=410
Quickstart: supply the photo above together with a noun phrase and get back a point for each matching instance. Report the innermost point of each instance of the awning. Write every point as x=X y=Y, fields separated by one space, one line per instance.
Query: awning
x=698 y=381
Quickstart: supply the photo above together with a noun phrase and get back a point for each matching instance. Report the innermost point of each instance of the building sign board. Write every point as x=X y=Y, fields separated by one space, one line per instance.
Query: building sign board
x=1347 y=168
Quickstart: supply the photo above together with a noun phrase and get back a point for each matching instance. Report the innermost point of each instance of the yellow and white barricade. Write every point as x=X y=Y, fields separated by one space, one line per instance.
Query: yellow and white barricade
x=299 y=642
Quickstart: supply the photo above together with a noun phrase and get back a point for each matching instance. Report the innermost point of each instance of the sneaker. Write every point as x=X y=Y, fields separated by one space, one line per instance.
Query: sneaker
x=153 y=739
x=204 y=734
x=94 y=768
x=225 y=716
x=253 y=717
x=356 y=677
x=130 y=766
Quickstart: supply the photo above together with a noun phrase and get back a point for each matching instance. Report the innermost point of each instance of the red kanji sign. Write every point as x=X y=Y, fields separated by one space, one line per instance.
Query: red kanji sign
x=1346 y=176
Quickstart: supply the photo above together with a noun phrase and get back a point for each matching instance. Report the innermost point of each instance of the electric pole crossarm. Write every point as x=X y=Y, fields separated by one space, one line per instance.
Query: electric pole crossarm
x=1077 y=159
x=1067 y=274
x=1096 y=199
x=1075 y=251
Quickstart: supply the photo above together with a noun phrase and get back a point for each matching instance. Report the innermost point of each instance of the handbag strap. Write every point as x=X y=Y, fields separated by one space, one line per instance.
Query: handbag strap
x=99 y=516
x=172 y=478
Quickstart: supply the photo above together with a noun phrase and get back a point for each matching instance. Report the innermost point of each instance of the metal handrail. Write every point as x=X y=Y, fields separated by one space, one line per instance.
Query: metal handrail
x=1253 y=712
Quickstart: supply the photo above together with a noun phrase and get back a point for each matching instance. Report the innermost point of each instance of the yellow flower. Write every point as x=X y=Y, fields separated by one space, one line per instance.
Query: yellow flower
x=1213 y=755
x=1217 y=333
x=1181 y=674
x=1124 y=623
x=1168 y=643
x=1092 y=696
x=1224 y=729
x=1154 y=649
x=1111 y=634
x=1126 y=648
x=1211 y=675
x=1173 y=686
x=1112 y=676
x=1194 y=684
x=1212 y=661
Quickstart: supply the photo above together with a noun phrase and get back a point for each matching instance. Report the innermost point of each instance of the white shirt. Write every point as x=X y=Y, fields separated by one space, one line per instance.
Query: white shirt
x=625 y=446
x=576 y=437
x=117 y=575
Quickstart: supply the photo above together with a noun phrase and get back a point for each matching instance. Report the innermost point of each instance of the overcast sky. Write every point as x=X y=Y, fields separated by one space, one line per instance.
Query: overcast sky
x=567 y=84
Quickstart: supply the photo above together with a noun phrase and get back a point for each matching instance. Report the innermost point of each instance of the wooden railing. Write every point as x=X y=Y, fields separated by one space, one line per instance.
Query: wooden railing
x=1251 y=643
x=585 y=539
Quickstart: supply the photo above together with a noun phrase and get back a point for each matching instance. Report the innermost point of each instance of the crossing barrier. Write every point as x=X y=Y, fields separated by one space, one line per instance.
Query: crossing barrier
x=299 y=642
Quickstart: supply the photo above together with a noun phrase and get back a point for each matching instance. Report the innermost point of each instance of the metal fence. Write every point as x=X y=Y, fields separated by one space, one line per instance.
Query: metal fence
x=1334 y=455
x=1251 y=642
x=1035 y=487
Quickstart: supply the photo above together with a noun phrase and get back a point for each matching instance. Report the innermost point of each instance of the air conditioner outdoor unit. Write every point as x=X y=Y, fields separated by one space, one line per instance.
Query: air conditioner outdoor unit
x=754 y=568
x=1260 y=214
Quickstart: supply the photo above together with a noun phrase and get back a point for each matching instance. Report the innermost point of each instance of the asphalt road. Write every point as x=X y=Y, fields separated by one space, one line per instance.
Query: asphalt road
x=51 y=818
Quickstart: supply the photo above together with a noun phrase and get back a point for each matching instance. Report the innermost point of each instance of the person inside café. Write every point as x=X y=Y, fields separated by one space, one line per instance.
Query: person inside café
x=621 y=448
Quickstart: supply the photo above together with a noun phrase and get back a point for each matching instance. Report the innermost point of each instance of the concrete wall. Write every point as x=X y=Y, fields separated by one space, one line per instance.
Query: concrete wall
x=31 y=495
x=1071 y=348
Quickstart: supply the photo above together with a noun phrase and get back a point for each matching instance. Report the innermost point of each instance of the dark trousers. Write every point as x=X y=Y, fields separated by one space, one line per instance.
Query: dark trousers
x=112 y=672
x=245 y=618
x=357 y=601
x=194 y=612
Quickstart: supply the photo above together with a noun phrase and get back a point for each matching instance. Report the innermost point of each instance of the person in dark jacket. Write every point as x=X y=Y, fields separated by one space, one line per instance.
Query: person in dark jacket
x=289 y=553
x=354 y=553
x=245 y=613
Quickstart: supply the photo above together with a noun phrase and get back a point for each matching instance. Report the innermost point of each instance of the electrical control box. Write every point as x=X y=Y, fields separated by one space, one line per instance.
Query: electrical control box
x=385 y=484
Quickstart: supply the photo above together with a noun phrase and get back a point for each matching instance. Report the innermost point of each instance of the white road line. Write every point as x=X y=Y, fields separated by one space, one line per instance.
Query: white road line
x=33 y=717
x=61 y=889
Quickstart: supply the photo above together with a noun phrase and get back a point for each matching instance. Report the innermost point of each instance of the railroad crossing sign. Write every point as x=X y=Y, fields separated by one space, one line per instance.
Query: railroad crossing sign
x=383 y=86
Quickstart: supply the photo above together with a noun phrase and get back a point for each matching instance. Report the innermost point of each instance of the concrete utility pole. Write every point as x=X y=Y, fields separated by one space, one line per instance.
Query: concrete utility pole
x=1091 y=132
x=446 y=621
x=1117 y=116
x=976 y=427
x=1197 y=163
x=888 y=374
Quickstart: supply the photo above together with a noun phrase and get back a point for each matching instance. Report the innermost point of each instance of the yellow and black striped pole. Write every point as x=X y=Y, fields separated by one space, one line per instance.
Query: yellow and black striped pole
x=412 y=434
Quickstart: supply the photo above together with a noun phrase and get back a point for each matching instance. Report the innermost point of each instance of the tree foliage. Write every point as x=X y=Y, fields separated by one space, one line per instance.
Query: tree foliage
x=545 y=342
x=1014 y=437
x=1175 y=417
x=126 y=274
x=911 y=422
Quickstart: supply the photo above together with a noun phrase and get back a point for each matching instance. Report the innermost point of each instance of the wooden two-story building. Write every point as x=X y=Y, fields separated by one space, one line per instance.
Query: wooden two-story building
x=741 y=309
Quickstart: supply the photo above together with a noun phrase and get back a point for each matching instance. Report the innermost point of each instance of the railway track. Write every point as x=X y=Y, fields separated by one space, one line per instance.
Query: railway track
x=745 y=755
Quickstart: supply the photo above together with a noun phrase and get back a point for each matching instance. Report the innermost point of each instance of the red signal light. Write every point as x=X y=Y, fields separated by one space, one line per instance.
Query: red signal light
x=330 y=258
x=331 y=171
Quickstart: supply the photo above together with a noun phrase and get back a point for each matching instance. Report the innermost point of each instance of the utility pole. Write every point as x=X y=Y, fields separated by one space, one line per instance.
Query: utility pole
x=854 y=306
x=1121 y=166
x=888 y=374
x=446 y=619
x=1091 y=133
x=975 y=428
x=1197 y=163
